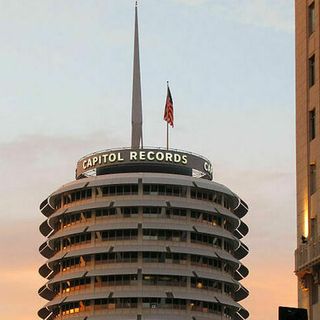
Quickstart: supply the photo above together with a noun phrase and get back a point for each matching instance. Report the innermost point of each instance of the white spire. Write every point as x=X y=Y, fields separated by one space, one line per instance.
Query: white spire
x=136 y=116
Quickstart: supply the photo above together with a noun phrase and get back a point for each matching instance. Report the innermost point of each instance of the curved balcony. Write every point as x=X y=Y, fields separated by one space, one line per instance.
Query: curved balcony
x=201 y=248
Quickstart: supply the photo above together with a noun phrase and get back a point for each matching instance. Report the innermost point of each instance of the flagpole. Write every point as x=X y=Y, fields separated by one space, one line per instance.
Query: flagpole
x=167 y=124
x=167 y=136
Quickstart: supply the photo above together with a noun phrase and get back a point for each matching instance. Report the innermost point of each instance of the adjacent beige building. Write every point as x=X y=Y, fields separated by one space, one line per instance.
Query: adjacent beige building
x=307 y=265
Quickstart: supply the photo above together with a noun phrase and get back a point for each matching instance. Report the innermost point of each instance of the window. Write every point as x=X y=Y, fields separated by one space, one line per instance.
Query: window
x=312 y=71
x=164 y=280
x=154 y=303
x=112 y=257
x=176 y=212
x=119 y=190
x=313 y=228
x=112 y=304
x=206 y=284
x=128 y=211
x=75 y=284
x=70 y=263
x=164 y=235
x=312 y=124
x=311 y=18
x=313 y=179
x=167 y=190
x=314 y=293
x=105 y=212
x=115 y=280
x=119 y=234
x=206 y=239
x=76 y=196
x=76 y=239
x=151 y=210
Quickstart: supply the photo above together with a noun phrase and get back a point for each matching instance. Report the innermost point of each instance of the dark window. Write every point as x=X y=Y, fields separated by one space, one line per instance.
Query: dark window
x=312 y=124
x=105 y=212
x=313 y=228
x=312 y=70
x=311 y=18
x=75 y=196
x=120 y=190
x=313 y=179
x=314 y=293
x=128 y=211
x=151 y=210
x=120 y=234
x=168 y=190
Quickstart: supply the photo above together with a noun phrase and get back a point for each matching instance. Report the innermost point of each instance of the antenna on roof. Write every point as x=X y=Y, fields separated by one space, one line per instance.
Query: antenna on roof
x=136 y=115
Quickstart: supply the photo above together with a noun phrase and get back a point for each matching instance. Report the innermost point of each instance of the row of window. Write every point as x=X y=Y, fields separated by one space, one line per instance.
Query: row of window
x=147 y=257
x=147 y=234
x=72 y=285
x=73 y=240
x=120 y=234
x=74 y=218
x=211 y=218
x=165 y=190
x=148 y=189
x=77 y=195
x=216 y=197
x=120 y=190
x=152 y=303
x=147 y=280
x=203 y=238
x=164 y=235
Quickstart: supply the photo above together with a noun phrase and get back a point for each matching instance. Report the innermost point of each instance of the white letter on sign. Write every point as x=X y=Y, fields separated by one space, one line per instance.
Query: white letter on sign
x=133 y=155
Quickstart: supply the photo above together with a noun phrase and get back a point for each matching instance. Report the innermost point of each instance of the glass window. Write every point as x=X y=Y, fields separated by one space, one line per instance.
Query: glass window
x=313 y=228
x=312 y=71
x=311 y=18
x=313 y=179
x=312 y=124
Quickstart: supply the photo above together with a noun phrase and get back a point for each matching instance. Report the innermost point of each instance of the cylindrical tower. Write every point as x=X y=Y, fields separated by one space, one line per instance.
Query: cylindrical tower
x=143 y=234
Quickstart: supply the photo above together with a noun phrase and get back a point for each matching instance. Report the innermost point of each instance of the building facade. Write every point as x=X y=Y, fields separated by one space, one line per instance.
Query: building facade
x=307 y=255
x=143 y=234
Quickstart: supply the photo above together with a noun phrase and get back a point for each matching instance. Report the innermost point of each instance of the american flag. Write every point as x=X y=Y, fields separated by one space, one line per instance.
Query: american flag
x=168 y=109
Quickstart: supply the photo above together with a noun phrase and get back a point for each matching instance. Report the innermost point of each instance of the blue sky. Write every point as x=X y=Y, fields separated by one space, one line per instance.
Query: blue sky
x=66 y=78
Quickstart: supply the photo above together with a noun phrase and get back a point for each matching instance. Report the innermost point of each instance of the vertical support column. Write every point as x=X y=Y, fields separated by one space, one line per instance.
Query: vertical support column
x=188 y=283
x=140 y=187
x=118 y=212
x=140 y=233
x=188 y=192
x=188 y=236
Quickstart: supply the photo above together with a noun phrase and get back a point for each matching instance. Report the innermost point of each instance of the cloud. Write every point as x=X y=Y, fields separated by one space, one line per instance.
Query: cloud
x=277 y=15
x=33 y=166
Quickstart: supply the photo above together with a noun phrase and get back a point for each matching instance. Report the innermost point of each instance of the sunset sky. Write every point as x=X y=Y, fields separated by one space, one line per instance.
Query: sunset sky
x=65 y=91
